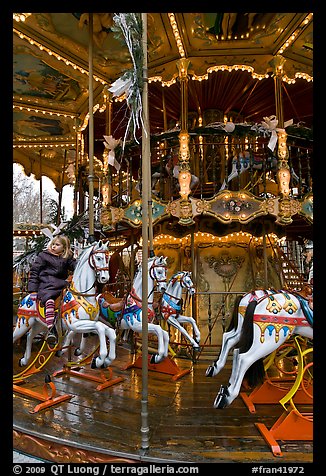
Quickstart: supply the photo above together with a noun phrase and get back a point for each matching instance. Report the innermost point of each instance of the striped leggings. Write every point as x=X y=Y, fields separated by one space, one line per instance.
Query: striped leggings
x=49 y=312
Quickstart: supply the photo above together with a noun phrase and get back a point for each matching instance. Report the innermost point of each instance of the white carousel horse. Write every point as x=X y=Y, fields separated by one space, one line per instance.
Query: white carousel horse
x=130 y=317
x=232 y=335
x=243 y=161
x=171 y=306
x=268 y=323
x=79 y=308
x=175 y=174
x=240 y=163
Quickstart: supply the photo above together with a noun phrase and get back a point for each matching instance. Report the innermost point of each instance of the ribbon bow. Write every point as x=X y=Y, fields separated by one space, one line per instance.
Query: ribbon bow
x=270 y=123
x=121 y=86
x=111 y=143
x=57 y=229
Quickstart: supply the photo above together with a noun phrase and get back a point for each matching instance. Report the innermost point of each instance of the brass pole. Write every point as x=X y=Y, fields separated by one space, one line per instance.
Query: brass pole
x=41 y=189
x=132 y=257
x=150 y=203
x=91 y=237
x=278 y=99
x=265 y=257
x=145 y=200
x=193 y=265
x=108 y=132
x=193 y=273
x=165 y=121
x=77 y=161
x=61 y=188
x=108 y=114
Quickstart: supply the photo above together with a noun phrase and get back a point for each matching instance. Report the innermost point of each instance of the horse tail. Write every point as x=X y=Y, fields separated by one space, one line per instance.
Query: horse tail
x=234 y=319
x=255 y=373
x=247 y=331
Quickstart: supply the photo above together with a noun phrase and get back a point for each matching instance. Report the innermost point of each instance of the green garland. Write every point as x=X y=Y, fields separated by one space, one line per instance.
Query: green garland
x=240 y=131
x=72 y=230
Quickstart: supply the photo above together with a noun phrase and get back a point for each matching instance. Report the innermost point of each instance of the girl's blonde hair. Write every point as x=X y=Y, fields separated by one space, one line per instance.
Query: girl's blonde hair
x=64 y=240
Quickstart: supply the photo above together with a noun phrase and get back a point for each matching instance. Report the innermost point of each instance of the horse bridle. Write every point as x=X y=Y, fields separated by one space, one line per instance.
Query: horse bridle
x=152 y=275
x=182 y=284
x=91 y=260
x=92 y=264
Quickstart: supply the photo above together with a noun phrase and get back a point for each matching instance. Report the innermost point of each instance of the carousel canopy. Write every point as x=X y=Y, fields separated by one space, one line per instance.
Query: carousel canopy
x=232 y=60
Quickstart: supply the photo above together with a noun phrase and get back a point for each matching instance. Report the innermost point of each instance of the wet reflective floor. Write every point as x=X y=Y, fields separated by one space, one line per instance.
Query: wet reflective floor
x=105 y=425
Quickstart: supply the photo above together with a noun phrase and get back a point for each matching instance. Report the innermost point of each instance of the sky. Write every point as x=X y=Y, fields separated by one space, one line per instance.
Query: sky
x=67 y=195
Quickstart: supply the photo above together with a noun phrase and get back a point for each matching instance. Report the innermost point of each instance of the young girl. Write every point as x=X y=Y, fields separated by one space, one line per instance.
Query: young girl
x=49 y=272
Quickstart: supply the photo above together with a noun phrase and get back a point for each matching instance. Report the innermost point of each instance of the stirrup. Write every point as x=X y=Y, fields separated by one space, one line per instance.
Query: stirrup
x=52 y=336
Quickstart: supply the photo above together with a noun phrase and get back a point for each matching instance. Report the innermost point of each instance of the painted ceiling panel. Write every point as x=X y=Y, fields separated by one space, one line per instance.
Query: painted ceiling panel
x=51 y=62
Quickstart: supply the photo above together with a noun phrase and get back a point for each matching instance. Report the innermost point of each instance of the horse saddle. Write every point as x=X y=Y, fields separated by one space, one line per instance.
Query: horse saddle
x=113 y=303
x=111 y=312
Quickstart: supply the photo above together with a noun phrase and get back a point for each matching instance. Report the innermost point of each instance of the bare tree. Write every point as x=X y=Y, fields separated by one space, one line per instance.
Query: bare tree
x=26 y=201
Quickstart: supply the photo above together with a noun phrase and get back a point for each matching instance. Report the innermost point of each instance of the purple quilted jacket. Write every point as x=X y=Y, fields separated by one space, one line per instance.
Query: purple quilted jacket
x=48 y=275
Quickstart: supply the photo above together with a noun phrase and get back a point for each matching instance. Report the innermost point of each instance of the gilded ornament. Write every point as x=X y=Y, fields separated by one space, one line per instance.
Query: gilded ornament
x=286 y=208
x=172 y=207
x=202 y=206
x=273 y=327
x=224 y=265
x=185 y=213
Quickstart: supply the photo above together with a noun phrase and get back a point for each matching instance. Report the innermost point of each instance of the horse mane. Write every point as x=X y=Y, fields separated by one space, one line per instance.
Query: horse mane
x=82 y=258
x=139 y=268
x=234 y=318
x=255 y=373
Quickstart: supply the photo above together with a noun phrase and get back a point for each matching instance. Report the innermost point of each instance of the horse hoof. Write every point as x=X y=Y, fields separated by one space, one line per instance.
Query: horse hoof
x=20 y=363
x=221 y=398
x=210 y=371
x=77 y=352
x=196 y=348
x=155 y=359
x=93 y=363
x=107 y=362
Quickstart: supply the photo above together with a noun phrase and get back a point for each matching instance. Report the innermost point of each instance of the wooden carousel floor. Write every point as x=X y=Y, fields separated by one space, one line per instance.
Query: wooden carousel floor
x=104 y=425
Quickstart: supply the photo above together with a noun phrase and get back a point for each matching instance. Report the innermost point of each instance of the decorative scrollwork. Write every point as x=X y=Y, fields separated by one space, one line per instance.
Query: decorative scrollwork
x=225 y=265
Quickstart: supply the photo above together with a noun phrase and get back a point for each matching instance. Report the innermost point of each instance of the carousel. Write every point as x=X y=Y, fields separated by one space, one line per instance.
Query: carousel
x=187 y=139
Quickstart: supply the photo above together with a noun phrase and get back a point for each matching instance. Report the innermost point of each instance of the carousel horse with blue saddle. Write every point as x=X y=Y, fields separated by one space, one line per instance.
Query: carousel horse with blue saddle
x=245 y=161
x=127 y=313
x=172 y=306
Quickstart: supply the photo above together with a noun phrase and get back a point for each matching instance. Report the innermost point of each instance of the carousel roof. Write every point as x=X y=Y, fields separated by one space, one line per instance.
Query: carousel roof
x=232 y=59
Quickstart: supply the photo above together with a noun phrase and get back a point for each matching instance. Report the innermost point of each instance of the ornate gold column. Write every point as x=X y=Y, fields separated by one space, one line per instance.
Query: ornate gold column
x=283 y=169
x=184 y=153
